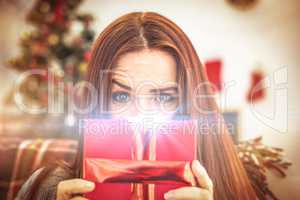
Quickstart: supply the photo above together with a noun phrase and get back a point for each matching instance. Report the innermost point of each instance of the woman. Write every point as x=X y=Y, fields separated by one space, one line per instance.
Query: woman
x=141 y=48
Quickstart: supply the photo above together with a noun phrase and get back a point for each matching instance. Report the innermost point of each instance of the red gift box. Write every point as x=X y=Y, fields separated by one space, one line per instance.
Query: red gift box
x=126 y=160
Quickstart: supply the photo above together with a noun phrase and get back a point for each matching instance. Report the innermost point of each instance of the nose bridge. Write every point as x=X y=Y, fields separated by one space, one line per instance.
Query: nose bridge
x=143 y=103
x=139 y=105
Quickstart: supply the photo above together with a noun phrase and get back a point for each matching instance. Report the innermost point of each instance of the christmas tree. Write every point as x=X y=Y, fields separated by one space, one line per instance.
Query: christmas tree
x=54 y=47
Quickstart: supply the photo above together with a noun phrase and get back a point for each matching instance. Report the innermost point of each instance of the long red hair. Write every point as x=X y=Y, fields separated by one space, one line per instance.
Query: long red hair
x=140 y=30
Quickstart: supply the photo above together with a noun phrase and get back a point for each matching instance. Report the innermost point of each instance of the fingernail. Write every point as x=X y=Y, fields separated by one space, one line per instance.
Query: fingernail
x=89 y=184
x=168 y=195
x=198 y=167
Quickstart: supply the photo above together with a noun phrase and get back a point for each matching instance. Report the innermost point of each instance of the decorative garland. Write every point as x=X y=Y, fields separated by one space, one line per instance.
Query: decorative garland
x=257 y=159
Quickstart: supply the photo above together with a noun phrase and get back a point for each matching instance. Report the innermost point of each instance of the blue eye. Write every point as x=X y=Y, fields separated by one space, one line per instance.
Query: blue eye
x=120 y=97
x=164 y=98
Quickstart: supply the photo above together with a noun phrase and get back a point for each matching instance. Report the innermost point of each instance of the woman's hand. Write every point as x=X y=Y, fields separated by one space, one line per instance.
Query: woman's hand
x=203 y=192
x=71 y=189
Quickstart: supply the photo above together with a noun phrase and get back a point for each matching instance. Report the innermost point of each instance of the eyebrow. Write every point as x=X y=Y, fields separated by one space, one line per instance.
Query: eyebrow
x=159 y=90
x=175 y=88
x=121 y=84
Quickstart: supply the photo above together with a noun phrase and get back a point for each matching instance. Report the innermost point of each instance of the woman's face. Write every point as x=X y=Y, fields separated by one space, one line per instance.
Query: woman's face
x=144 y=84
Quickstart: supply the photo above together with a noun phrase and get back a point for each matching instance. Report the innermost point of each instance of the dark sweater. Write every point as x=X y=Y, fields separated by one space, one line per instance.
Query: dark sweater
x=46 y=189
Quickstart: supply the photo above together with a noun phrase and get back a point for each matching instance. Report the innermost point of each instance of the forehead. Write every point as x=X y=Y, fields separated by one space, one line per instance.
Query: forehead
x=147 y=65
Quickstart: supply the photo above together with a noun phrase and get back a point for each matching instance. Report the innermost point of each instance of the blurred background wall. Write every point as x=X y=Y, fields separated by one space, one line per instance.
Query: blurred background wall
x=266 y=37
